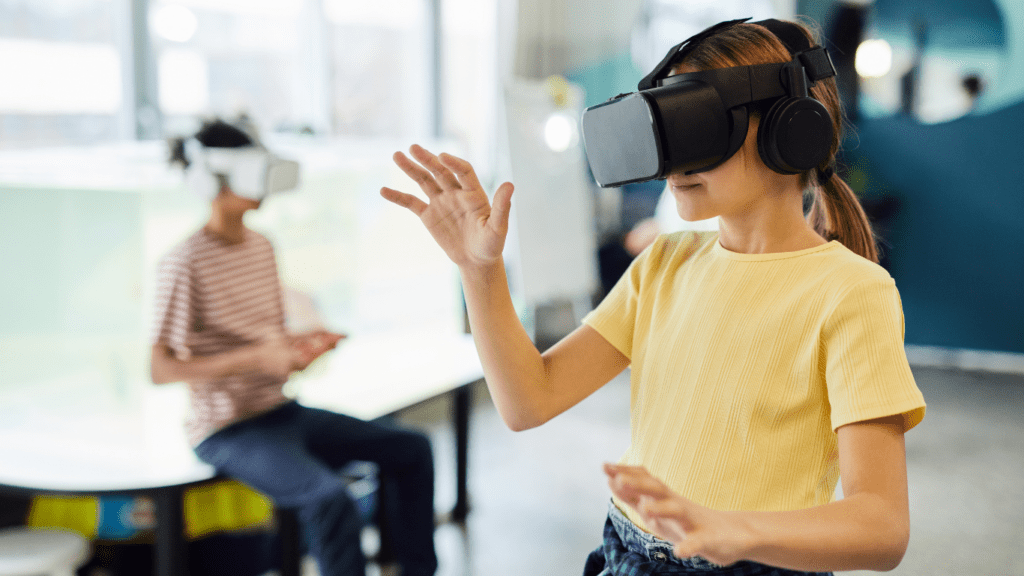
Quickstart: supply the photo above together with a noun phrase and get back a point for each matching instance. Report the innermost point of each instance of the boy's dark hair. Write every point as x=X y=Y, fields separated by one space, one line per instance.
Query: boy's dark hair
x=213 y=134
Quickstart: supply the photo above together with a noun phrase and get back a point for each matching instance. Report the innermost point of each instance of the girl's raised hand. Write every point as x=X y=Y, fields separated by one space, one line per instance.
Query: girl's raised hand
x=694 y=530
x=458 y=214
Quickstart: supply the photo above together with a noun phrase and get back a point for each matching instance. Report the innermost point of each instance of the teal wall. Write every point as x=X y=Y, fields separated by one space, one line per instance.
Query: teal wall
x=955 y=237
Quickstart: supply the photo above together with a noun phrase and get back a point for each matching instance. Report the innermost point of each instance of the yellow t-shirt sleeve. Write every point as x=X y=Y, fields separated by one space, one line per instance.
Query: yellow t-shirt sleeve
x=866 y=368
x=615 y=317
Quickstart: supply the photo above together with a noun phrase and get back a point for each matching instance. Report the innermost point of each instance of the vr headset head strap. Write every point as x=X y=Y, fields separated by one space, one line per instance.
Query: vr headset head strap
x=791 y=37
x=679 y=51
x=815 y=59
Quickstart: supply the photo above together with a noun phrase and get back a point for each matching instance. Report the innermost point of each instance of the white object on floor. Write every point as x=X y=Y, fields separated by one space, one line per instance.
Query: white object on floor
x=37 y=552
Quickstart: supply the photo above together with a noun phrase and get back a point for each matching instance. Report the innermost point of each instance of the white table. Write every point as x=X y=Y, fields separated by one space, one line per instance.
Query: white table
x=100 y=454
x=144 y=451
x=382 y=375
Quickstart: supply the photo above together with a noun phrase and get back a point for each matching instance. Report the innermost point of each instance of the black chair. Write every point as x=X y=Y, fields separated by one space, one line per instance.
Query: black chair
x=367 y=489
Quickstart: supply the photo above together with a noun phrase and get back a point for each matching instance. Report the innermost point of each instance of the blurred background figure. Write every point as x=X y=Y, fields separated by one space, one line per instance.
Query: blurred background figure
x=220 y=327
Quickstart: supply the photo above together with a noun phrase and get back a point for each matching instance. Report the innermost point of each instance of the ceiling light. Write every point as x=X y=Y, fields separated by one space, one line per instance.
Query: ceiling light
x=560 y=132
x=874 y=58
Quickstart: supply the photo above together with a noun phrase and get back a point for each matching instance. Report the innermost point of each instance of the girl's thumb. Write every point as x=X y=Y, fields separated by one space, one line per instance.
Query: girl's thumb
x=502 y=206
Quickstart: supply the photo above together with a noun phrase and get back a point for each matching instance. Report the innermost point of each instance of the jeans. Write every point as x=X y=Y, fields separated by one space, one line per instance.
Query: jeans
x=629 y=551
x=293 y=453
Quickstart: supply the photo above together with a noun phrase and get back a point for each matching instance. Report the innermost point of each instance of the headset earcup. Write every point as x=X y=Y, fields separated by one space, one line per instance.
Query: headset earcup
x=795 y=135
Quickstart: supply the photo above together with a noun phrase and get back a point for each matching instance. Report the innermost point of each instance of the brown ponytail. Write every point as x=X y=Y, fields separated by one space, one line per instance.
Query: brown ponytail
x=836 y=213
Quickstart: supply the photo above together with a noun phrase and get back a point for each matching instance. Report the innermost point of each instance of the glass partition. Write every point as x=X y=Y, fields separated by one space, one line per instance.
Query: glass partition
x=82 y=244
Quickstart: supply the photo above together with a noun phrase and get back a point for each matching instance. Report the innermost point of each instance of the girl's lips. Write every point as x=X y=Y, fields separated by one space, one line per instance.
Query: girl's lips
x=685 y=187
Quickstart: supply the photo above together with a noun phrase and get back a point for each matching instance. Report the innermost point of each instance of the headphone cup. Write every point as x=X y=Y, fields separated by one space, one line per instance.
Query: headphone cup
x=795 y=135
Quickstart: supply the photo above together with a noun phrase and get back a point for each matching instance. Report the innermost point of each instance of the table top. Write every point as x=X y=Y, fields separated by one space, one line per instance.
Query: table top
x=375 y=376
x=112 y=452
x=144 y=447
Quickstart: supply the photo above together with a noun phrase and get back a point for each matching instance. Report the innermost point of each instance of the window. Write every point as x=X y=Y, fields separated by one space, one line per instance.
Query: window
x=380 y=68
x=227 y=58
x=61 y=71
x=470 y=71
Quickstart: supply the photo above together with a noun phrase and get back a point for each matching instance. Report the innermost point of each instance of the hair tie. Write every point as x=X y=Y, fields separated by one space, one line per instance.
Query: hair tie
x=825 y=175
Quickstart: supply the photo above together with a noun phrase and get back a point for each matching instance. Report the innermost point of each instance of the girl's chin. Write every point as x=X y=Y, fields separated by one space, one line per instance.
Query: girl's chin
x=694 y=216
x=692 y=211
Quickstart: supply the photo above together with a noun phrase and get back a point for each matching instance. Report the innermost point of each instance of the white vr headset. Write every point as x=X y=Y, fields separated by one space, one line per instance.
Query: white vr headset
x=252 y=172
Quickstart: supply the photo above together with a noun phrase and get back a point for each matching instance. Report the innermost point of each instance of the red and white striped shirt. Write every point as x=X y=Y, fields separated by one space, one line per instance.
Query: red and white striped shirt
x=213 y=297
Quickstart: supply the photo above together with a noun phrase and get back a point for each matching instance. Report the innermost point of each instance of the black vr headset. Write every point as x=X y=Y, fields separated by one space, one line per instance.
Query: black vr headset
x=696 y=121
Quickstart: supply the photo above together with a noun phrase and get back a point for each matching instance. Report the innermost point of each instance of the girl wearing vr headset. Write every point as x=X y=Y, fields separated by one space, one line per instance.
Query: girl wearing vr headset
x=766 y=358
x=220 y=327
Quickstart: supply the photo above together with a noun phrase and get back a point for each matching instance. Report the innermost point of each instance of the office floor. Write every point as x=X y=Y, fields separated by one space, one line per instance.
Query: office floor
x=539 y=497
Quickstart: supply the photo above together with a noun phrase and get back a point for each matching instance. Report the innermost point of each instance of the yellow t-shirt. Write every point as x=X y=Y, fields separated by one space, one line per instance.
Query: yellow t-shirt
x=744 y=365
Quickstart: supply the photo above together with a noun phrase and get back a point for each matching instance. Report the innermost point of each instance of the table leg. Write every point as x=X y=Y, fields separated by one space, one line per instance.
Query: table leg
x=171 y=554
x=462 y=403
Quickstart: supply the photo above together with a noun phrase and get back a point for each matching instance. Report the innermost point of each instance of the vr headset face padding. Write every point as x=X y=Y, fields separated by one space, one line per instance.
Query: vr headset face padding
x=795 y=135
x=202 y=182
x=252 y=172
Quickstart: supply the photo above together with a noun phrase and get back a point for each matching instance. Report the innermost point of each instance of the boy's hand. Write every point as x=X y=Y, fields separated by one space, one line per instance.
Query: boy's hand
x=276 y=356
x=311 y=345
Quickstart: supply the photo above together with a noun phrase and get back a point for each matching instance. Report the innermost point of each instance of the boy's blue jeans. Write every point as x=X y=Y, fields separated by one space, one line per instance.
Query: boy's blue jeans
x=629 y=551
x=293 y=454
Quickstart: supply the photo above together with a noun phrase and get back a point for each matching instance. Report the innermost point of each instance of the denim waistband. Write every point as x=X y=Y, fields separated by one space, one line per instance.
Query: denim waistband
x=654 y=549
x=649 y=545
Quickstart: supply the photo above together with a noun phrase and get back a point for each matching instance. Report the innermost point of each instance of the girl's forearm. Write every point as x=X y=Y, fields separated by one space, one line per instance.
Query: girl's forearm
x=513 y=367
x=859 y=532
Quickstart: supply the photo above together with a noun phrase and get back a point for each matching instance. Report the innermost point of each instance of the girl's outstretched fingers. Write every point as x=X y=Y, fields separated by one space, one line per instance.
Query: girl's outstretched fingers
x=423 y=178
x=462 y=169
x=669 y=517
x=629 y=483
x=443 y=177
x=404 y=200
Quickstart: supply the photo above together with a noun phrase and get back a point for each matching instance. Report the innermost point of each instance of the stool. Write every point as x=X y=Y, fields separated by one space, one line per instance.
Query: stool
x=41 y=552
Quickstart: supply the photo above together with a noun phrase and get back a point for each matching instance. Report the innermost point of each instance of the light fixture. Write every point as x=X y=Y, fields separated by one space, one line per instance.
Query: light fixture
x=874 y=58
x=175 y=22
x=560 y=132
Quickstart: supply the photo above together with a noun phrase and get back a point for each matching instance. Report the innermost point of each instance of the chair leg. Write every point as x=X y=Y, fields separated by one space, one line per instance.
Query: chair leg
x=386 y=552
x=291 y=546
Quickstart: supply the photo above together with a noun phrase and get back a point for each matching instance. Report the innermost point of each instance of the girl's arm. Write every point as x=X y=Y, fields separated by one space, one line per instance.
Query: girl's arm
x=868 y=529
x=528 y=388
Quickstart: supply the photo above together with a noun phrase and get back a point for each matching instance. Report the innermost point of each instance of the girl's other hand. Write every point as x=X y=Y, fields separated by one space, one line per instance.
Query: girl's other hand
x=458 y=214
x=694 y=530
